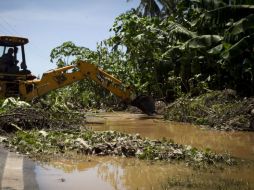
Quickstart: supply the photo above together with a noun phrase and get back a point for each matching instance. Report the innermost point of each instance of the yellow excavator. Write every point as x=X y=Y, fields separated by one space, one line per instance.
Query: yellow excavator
x=17 y=81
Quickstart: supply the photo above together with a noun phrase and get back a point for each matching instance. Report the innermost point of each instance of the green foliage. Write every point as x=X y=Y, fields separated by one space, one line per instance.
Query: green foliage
x=11 y=103
x=175 y=48
x=144 y=43
x=68 y=53
x=209 y=39
x=87 y=93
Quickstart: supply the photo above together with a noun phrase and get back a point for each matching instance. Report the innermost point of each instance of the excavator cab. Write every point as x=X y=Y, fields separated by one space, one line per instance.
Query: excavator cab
x=9 y=55
x=12 y=65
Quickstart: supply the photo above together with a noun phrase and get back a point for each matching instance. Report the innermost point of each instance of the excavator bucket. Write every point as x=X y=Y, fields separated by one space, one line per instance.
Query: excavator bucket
x=145 y=103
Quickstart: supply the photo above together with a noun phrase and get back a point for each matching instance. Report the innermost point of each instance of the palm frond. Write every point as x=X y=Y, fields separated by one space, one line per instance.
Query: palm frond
x=149 y=8
x=168 y=7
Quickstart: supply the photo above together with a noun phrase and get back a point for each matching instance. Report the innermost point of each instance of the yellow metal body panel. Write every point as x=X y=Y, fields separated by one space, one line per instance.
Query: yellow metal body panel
x=61 y=77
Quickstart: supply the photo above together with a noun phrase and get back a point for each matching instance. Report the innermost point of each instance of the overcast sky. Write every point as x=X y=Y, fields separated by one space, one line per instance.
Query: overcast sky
x=49 y=23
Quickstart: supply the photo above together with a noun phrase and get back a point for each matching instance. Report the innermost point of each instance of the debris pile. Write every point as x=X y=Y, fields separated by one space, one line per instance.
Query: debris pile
x=27 y=118
x=109 y=143
x=24 y=118
x=222 y=110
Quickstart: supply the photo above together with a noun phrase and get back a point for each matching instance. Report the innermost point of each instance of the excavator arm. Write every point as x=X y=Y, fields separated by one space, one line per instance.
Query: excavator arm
x=64 y=76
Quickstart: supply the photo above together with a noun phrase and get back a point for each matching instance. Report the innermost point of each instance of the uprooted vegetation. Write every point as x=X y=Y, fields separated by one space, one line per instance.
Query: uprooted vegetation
x=36 y=132
x=36 y=118
x=19 y=115
x=222 y=110
x=36 y=142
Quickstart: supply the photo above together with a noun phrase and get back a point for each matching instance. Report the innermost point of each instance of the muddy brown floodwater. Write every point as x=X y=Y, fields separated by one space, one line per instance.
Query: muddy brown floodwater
x=112 y=173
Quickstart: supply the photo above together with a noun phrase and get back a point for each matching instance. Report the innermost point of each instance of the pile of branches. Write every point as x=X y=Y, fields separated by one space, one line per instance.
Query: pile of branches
x=222 y=110
x=36 y=118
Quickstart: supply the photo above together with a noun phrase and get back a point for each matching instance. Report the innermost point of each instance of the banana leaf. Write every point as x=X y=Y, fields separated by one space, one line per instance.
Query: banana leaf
x=238 y=48
x=243 y=26
x=202 y=42
x=216 y=50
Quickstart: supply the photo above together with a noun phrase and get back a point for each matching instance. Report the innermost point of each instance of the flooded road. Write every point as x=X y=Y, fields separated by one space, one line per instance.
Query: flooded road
x=111 y=173
x=239 y=144
x=105 y=173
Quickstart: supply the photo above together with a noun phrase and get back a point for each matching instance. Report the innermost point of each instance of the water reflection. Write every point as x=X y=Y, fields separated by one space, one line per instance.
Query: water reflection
x=107 y=173
x=112 y=173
